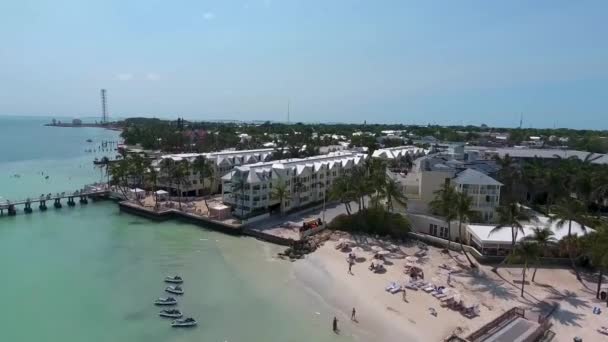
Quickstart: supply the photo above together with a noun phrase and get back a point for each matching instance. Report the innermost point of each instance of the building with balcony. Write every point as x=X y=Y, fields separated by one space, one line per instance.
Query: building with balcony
x=483 y=190
x=248 y=189
x=221 y=163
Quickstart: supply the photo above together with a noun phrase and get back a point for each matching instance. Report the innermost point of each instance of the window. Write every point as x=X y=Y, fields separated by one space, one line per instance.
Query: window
x=433 y=229
x=194 y=182
x=443 y=232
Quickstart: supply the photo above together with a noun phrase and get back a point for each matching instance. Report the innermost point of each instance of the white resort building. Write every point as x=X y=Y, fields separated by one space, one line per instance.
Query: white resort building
x=248 y=188
x=221 y=163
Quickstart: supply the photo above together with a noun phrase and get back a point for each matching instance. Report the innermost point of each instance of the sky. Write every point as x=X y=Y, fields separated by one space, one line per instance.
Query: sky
x=411 y=62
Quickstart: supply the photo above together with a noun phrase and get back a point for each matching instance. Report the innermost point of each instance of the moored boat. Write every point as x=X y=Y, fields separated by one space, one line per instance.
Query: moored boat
x=170 y=313
x=174 y=279
x=186 y=322
x=165 y=301
x=175 y=289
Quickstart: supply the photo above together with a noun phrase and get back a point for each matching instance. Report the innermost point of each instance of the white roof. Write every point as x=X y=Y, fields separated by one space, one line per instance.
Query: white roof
x=503 y=236
x=136 y=190
x=471 y=176
x=161 y=192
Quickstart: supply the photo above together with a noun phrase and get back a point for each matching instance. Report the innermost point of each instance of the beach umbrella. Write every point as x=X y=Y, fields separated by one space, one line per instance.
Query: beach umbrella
x=376 y=248
x=411 y=259
x=358 y=249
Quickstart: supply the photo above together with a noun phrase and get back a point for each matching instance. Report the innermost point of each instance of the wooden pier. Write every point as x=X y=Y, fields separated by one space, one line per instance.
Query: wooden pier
x=11 y=207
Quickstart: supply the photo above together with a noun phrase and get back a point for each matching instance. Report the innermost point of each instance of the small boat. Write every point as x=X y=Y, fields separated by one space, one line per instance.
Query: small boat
x=186 y=322
x=165 y=301
x=170 y=313
x=175 y=289
x=89 y=140
x=174 y=279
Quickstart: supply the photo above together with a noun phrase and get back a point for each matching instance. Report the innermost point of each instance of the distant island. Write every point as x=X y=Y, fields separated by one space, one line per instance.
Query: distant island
x=79 y=123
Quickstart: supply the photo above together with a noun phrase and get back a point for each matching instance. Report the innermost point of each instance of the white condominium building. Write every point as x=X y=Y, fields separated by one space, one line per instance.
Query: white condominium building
x=249 y=188
x=221 y=163
x=400 y=152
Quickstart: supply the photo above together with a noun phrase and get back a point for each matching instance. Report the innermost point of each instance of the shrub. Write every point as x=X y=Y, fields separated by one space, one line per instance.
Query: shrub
x=375 y=221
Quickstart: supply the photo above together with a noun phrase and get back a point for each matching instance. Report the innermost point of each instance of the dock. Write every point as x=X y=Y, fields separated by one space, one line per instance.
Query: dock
x=83 y=196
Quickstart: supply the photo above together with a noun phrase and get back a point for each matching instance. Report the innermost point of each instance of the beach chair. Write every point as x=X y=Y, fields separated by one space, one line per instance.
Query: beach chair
x=395 y=289
x=390 y=286
x=429 y=289
x=441 y=295
x=603 y=330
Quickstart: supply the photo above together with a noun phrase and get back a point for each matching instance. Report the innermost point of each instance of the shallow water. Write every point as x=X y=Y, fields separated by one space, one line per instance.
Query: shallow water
x=91 y=273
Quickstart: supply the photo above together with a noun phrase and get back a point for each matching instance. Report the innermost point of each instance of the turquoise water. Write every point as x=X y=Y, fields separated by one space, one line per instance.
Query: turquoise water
x=91 y=273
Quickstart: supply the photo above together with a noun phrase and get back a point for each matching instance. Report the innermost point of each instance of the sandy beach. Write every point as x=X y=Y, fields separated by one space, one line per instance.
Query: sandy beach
x=386 y=317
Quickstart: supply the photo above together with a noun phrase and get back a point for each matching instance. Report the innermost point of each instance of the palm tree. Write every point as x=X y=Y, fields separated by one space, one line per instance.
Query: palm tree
x=152 y=177
x=341 y=191
x=443 y=204
x=392 y=192
x=598 y=251
x=239 y=185
x=167 y=165
x=527 y=251
x=204 y=170
x=543 y=237
x=464 y=214
x=280 y=191
x=105 y=163
x=566 y=211
x=507 y=175
x=511 y=216
x=180 y=175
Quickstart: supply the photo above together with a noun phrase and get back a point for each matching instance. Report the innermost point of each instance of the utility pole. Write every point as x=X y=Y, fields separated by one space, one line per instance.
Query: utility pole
x=288 y=111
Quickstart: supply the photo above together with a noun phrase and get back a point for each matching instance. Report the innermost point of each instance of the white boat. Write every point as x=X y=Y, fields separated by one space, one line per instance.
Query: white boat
x=165 y=301
x=170 y=313
x=174 y=279
x=186 y=322
x=175 y=289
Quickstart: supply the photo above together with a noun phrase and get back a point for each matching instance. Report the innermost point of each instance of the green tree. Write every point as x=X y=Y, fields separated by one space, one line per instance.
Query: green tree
x=570 y=210
x=392 y=192
x=511 y=216
x=152 y=178
x=180 y=177
x=464 y=213
x=341 y=191
x=543 y=237
x=443 y=205
x=204 y=170
x=597 y=247
x=280 y=191
x=528 y=252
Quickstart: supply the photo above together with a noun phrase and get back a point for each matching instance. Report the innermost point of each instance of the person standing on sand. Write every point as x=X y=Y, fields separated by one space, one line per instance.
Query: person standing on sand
x=335 y=324
x=404 y=296
x=350 y=266
x=353 y=315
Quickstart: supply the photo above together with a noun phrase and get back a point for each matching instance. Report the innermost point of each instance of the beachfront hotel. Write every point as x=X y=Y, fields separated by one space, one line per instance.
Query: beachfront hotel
x=221 y=163
x=248 y=188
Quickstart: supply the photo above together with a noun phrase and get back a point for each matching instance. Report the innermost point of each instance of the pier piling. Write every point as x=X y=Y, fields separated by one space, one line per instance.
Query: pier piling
x=28 y=208
x=57 y=203
x=42 y=206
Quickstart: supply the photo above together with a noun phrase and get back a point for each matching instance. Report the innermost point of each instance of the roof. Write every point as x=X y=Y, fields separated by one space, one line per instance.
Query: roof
x=470 y=176
x=503 y=236
x=541 y=153
x=399 y=151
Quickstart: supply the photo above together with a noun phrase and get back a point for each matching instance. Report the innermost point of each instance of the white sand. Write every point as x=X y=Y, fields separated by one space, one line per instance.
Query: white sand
x=386 y=317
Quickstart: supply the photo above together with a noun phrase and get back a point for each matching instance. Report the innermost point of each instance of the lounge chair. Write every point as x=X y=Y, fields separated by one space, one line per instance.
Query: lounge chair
x=411 y=286
x=441 y=295
x=603 y=330
x=390 y=286
x=446 y=299
x=429 y=289
x=396 y=289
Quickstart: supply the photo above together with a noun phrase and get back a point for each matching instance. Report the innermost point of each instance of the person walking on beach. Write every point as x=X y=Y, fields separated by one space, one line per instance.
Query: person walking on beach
x=335 y=325
x=353 y=315
x=350 y=267
x=404 y=296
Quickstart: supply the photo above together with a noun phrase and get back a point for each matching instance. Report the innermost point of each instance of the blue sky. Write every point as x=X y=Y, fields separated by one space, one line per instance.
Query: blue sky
x=446 y=62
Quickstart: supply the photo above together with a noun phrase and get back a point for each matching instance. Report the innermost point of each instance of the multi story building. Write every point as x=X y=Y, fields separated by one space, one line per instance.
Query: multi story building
x=221 y=163
x=483 y=190
x=248 y=189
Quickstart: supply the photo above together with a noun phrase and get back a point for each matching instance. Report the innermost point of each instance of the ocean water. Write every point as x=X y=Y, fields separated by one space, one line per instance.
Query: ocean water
x=91 y=273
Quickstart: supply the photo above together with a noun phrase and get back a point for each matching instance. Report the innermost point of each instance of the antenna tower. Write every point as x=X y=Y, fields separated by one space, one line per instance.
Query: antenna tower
x=104 y=108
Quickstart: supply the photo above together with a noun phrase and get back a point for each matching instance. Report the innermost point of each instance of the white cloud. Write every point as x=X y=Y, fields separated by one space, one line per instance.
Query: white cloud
x=152 y=76
x=124 y=77
x=208 y=15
